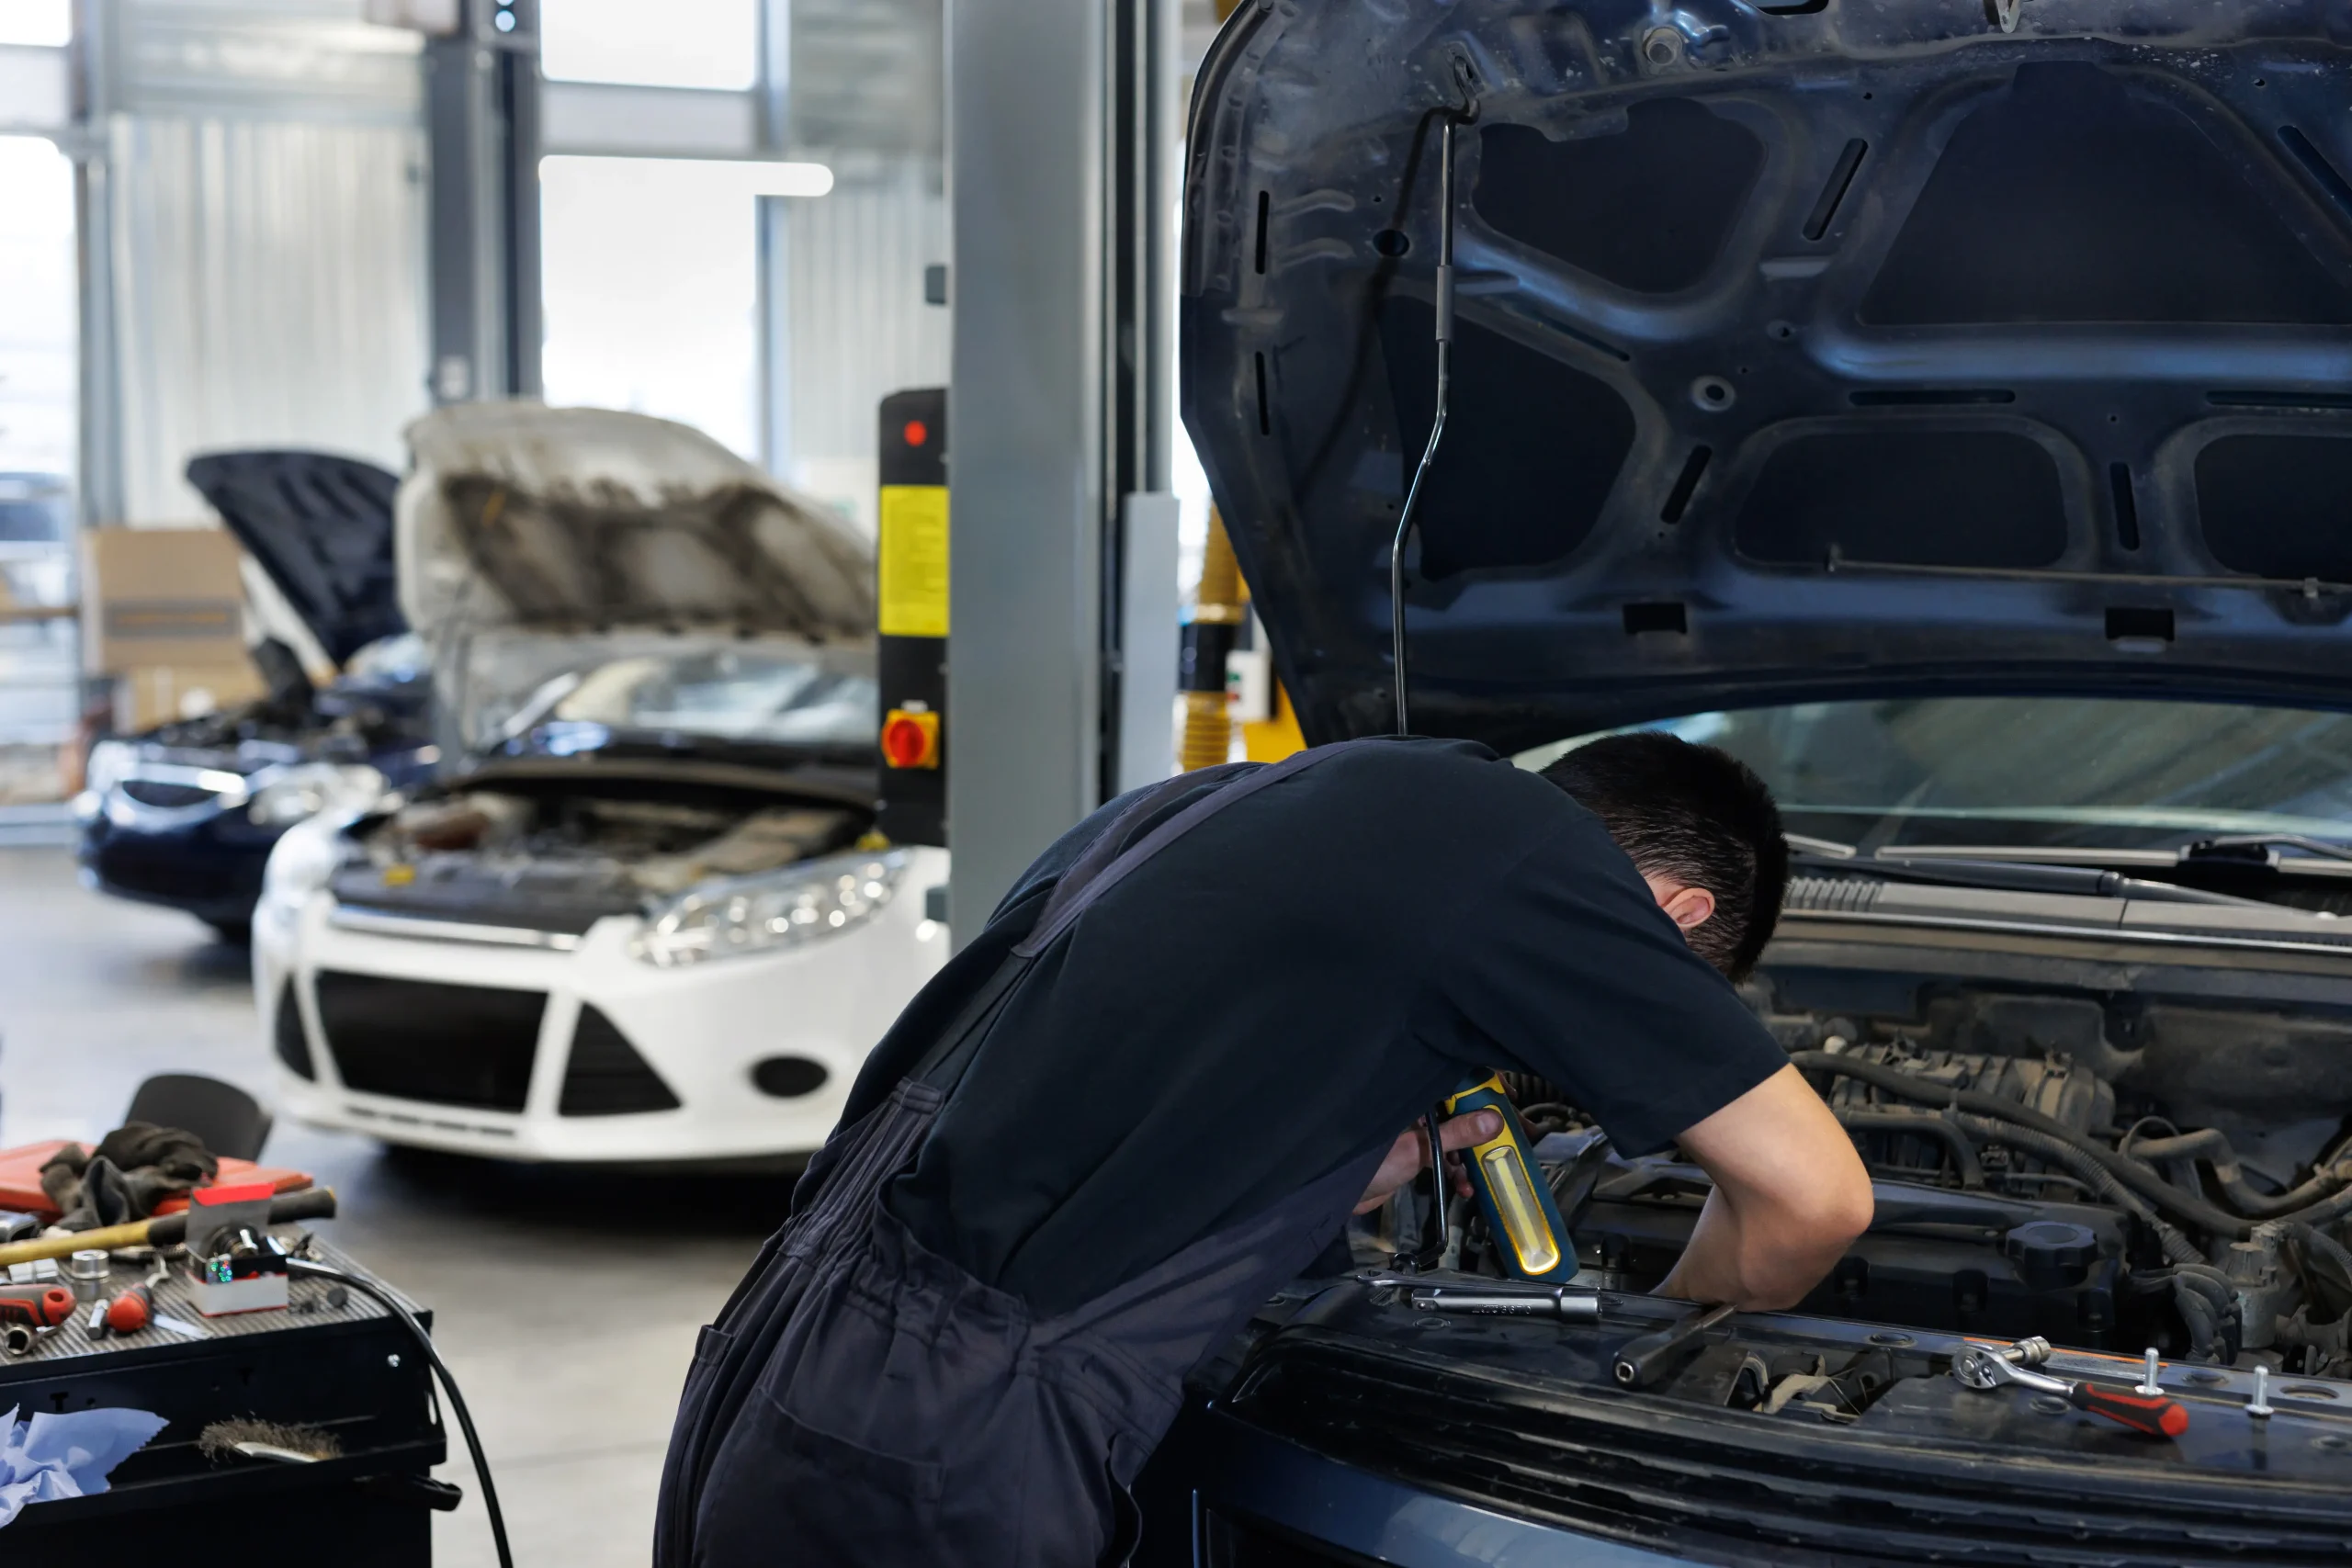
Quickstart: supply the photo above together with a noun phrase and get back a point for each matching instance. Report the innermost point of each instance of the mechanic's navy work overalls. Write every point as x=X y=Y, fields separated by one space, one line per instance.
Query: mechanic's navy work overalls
x=862 y=1400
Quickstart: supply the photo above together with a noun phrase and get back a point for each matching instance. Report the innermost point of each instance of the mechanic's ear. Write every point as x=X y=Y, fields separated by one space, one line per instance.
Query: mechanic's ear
x=1688 y=907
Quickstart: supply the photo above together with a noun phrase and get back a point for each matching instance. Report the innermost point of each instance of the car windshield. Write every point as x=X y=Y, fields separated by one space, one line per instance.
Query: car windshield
x=2057 y=773
x=793 y=698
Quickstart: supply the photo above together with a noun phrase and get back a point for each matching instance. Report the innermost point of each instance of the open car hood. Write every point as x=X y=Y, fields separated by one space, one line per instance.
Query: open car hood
x=517 y=517
x=1834 y=349
x=322 y=527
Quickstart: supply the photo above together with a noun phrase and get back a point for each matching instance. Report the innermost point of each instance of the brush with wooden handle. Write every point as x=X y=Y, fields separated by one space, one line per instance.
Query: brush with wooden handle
x=163 y=1230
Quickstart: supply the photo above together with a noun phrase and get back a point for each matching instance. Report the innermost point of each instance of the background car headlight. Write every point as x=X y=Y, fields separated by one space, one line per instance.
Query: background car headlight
x=301 y=793
x=801 y=904
x=109 y=761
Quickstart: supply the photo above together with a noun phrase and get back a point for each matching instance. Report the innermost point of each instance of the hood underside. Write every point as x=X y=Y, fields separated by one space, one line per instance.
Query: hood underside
x=517 y=516
x=322 y=527
x=1838 y=349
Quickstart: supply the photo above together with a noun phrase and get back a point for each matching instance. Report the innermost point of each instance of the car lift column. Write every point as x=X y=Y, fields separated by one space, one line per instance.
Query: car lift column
x=1061 y=126
x=482 y=95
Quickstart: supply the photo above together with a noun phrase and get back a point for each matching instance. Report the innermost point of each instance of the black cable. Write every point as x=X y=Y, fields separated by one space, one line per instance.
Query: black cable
x=1912 y=1125
x=2052 y=1150
x=2175 y=1205
x=1443 y=313
x=449 y=1383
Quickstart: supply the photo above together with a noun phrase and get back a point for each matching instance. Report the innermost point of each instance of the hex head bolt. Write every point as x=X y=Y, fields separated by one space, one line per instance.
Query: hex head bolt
x=2259 y=1405
x=2148 y=1378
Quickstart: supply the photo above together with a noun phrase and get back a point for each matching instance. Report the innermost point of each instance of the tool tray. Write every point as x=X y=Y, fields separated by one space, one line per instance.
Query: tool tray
x=352 y=1369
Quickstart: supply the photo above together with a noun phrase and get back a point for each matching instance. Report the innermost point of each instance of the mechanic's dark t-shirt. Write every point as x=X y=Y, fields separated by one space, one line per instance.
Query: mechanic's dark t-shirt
x=1287 y=988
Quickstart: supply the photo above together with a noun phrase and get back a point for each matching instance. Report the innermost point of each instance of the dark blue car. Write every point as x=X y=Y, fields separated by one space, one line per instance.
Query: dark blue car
x=1946 y=408
x=186 y=814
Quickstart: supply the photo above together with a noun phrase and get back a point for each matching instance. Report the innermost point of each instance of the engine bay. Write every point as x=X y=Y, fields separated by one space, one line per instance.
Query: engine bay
x=2109 y=1173
x=560 y=858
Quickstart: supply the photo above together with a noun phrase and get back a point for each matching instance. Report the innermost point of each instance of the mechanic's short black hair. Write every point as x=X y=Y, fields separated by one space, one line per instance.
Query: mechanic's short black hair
x=1695 y=814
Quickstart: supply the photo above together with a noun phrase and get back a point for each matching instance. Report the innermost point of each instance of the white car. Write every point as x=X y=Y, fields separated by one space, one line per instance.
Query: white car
x=647 y=919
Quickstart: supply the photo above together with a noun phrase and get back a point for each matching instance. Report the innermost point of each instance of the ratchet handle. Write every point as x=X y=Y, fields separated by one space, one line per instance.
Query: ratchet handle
x=2150 y=1416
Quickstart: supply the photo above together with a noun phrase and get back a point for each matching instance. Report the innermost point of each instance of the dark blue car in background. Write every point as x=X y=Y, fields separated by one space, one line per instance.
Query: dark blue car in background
x=186 y=814
x=1948 y=409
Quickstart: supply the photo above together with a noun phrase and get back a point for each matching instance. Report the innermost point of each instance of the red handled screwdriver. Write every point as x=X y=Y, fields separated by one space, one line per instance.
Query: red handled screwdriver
x=2157 y=1416
x=40 y=1307
x=131 y=1311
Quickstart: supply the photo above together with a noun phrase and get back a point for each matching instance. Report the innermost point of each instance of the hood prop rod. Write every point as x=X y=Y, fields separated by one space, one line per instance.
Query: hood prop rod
x=1444 y=314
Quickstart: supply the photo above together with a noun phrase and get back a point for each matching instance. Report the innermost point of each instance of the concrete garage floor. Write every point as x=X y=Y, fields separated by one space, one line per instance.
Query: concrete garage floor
x=566 y=1302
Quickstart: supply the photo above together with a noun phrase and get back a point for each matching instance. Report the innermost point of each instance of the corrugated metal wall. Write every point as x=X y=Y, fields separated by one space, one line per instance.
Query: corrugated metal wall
x=269 y=284
x=855 y=327
x=266 y=203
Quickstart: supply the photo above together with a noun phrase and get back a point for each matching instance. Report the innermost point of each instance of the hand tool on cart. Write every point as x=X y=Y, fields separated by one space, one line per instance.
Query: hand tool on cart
x=1984 y=1367
x=134 y=1309
x=37 y=1306
x=163 y=1230
x=26 y=1312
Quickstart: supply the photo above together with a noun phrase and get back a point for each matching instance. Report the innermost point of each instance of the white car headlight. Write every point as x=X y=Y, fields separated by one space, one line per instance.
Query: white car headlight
x=801 y=904
x=301 y=863
x=314 y=789
x=109 y=761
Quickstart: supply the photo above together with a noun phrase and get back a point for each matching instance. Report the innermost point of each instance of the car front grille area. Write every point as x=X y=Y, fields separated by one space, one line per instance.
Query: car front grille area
x=138 y=864
x=465 y=1045
x=470 y=1046
x=285 y=1029
x=1623 y=1472
x=606 y=1077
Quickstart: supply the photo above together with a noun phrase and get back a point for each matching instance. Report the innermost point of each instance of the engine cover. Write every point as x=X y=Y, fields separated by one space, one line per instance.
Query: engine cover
x=1934 y=1258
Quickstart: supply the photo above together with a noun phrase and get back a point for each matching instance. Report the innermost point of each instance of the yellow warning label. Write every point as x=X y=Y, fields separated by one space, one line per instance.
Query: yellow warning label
x=914 y=560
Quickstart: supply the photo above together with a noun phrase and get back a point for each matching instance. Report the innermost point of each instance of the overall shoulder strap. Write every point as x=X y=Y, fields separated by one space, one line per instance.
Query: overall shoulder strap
x=1102 y=867
x=1086 y=883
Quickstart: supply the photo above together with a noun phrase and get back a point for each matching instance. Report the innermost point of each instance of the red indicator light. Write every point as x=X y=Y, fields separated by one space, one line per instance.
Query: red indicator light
x=916 y=432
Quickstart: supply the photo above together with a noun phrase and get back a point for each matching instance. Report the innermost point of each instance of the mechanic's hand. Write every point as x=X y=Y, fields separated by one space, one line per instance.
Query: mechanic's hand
x=1409 y=1156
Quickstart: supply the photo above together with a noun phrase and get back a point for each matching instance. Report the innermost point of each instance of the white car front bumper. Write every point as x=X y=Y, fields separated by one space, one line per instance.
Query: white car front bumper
x=403 y=1043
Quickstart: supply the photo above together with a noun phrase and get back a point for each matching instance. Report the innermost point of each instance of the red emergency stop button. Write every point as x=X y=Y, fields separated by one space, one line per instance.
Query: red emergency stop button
x=911 y=739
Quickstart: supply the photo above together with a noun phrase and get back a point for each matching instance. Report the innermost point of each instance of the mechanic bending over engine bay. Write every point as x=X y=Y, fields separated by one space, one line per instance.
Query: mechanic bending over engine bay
x=1192 y=1041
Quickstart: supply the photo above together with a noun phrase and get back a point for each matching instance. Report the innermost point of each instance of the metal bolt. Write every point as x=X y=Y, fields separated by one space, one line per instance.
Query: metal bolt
x=392 y=1362
x=2148 y=1380
x=2259 y=1405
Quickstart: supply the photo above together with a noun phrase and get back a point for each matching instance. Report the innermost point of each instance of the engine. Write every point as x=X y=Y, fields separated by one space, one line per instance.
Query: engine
x=2020 y=1192
x=563 y=859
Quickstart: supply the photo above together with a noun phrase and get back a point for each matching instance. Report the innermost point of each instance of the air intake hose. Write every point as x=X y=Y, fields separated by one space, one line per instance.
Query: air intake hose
x=2166 y=1199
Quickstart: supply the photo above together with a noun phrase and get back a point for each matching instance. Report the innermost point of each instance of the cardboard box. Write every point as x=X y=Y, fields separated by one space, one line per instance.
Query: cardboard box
x=157 y=693
x=156 y=598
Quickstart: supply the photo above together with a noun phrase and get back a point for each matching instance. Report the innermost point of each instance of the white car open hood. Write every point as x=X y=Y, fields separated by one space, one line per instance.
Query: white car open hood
x=520 y=518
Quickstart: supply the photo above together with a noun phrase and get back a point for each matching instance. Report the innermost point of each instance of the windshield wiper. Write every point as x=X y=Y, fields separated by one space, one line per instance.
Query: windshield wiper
x=2015 y=876
x=2259 y=849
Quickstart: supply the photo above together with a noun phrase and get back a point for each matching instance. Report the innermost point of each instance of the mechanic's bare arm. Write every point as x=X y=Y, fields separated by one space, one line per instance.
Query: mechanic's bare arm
x=1409 y=1156
x=1790 y=1194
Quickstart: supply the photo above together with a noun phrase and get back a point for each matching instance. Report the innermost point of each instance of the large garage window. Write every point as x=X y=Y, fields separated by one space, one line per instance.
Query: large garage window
x=41 y=24
x=39 y=666
x=652 y=292
x=775 y=285
x=678 y=43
